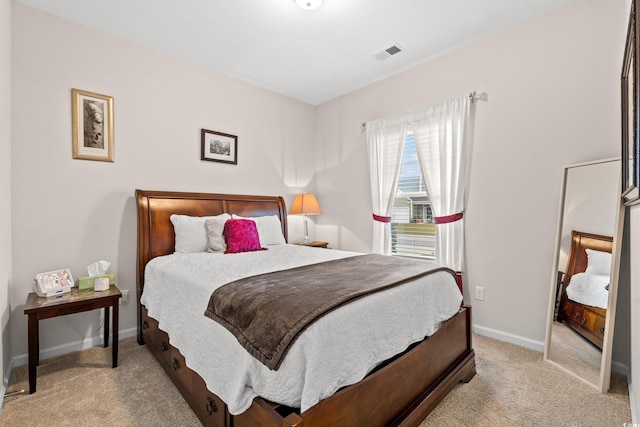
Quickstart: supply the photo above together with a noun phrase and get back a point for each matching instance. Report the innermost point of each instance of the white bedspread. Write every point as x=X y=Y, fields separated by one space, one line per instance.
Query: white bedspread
x=338 y=350
x=589 y=289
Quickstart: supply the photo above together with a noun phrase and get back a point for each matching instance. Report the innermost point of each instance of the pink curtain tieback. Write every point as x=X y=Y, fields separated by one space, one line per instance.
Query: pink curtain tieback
x=448 y=218
x=380 y=218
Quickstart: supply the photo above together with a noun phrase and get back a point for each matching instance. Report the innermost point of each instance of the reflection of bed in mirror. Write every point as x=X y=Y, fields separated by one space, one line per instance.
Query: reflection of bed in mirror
x=584 y=295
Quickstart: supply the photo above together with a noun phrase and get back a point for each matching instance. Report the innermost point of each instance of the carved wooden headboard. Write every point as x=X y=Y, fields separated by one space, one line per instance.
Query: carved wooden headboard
x=155 y=230
x=580 y=242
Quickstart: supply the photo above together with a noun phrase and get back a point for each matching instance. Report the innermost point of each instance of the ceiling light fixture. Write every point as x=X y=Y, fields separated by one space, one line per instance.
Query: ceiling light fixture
x=308 y=4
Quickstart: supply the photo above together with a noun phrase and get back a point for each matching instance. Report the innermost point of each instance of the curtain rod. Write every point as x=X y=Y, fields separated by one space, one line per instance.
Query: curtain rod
x=473 y=96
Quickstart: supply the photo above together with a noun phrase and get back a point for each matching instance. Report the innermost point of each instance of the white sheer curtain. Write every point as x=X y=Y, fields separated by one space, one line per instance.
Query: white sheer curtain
x=385 y=143
x=442 y=134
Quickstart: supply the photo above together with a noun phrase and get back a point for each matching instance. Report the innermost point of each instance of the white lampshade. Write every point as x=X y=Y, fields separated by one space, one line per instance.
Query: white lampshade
x=308 y=4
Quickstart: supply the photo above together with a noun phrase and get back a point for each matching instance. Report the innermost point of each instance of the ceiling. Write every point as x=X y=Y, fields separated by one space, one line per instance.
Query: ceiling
x=310 y=55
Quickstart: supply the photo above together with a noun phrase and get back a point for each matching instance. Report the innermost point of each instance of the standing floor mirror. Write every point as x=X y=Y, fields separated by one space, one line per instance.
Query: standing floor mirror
x=584 y=282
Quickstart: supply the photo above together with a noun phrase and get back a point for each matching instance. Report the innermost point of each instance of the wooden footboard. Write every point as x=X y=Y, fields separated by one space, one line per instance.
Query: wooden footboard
x=400 y=393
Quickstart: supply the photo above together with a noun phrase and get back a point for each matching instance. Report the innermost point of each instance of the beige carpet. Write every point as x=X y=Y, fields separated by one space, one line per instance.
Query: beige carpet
x=81 y=389
x=513 y=387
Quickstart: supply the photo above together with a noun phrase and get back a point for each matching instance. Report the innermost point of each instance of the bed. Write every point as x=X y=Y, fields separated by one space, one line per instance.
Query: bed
x=400 y=391
x=584 y=294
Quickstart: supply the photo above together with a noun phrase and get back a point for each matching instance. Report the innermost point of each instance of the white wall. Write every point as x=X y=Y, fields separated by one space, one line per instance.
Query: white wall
x=5 y=183
x=69 y=213
x=553 y=88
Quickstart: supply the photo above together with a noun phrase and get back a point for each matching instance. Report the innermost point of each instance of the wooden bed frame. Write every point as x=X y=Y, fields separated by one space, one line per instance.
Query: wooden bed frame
x=402 y=392
x=586 y=320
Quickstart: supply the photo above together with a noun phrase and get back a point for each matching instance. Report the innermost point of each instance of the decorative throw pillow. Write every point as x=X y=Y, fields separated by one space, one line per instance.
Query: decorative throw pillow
x=215 y=235
x=598 y=262
x=269 y=229
x=191 y=234
x=241 y=235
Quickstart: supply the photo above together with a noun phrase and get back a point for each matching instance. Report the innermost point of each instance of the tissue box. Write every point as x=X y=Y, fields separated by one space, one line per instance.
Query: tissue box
x=86 y=282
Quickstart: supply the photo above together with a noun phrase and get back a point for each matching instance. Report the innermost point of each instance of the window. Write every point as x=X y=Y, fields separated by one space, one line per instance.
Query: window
x=412 y=229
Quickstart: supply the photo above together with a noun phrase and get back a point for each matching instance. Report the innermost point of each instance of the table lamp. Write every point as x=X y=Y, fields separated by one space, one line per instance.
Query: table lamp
x=305 y=204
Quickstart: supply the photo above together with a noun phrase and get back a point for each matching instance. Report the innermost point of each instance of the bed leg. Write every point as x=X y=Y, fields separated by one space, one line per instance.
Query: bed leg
x=141 y=324
x=293 y=420
x=141 y=327
x=471 y=371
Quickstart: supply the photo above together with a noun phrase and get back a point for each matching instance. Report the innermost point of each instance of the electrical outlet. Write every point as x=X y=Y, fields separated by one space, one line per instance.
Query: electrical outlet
x=125 y=296
x=479 y=293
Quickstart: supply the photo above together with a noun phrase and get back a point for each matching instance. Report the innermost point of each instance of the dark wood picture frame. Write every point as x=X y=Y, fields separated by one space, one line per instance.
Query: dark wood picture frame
x=630 y=84
x=218 y=147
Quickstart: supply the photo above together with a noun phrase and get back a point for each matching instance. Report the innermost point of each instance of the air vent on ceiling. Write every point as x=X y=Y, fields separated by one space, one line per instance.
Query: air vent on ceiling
x=390 y=51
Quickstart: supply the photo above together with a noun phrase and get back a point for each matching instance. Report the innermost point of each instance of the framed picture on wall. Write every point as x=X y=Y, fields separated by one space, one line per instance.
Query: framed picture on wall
x=219 y=147
x=92 y=123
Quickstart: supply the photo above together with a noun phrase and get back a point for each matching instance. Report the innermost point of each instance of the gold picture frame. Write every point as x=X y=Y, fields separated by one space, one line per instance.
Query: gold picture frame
x=92 y=126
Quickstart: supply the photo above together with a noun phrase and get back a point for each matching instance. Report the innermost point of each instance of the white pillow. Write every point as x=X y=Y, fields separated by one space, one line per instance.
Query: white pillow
x=191 y=234
x=269 y=229
x=598 y=262
x=215 y=235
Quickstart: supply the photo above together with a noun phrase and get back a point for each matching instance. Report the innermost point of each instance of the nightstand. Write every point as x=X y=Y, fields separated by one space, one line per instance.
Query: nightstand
x=315 y=244
x=75 y=301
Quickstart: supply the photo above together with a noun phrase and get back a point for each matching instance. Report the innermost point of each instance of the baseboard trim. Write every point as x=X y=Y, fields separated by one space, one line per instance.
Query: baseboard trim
x=59 y=350
x=621 y=368
x=624 y=369
x=634 y=416
x=5 y=385
x=510 y=338
x=617 y=367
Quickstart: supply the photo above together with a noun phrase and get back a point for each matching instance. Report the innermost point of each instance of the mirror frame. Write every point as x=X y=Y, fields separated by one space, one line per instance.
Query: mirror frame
x=630 y=85
x=607 y=343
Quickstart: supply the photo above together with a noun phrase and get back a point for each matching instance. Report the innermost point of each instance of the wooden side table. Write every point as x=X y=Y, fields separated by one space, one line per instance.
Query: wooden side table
x=315 y=244
x=75 y=301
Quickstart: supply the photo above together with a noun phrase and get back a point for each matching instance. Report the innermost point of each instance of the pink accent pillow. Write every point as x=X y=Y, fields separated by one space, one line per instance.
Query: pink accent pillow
x=241 y=235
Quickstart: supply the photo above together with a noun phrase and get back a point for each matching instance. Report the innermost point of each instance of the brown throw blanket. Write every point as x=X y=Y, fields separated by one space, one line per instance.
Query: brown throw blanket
x=268 y=312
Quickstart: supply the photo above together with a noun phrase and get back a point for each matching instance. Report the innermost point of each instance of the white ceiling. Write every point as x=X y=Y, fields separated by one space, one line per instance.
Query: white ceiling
x=313 y=56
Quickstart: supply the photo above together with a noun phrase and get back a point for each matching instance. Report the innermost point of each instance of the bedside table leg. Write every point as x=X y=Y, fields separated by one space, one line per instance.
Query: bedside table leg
x=37 y=334
x=114 y=344
x=106 y=327
x=33 y=352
